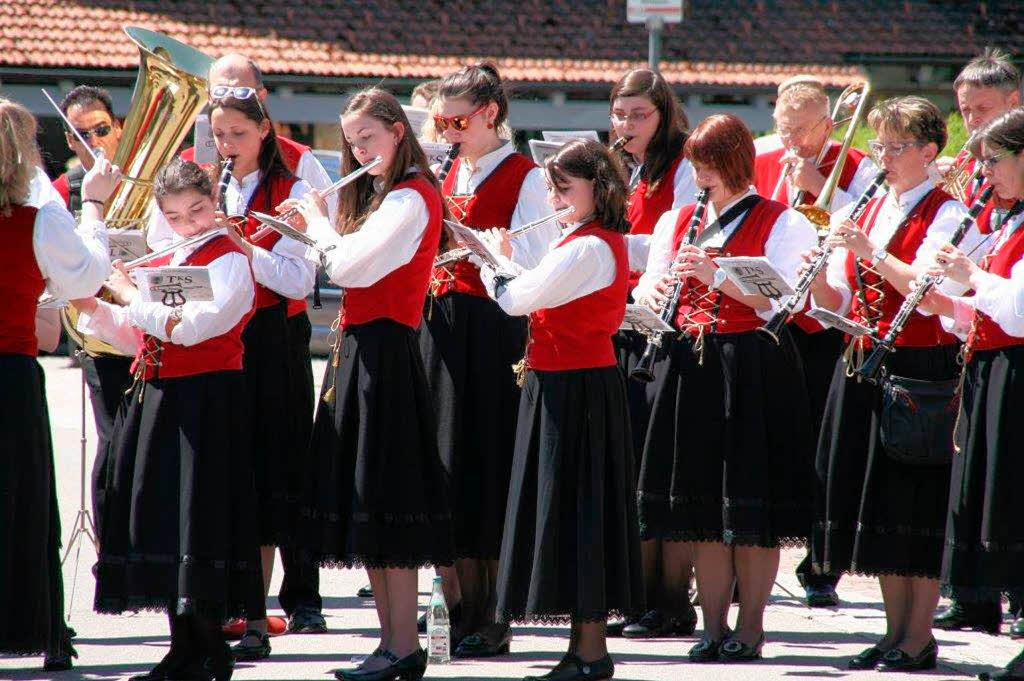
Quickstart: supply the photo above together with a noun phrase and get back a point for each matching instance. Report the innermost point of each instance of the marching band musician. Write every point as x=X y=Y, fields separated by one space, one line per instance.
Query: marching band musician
x=177 y=533
x=260 y=181
x=379 y=495
x=884 y=508
x=570 y=548
x=984 y=540
x=807 y=154
x=645 y=110
x=986 y=88
x=726 y=469
x=468 y=345
x=43 y=249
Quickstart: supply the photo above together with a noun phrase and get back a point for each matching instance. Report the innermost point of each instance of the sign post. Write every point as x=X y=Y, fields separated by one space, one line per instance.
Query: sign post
x=654 y=14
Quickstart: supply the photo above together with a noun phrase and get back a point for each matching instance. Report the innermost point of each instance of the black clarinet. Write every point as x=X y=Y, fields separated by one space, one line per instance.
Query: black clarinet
x=644 y=369
x=872 y=366
x=446 y=166
x=222 y=185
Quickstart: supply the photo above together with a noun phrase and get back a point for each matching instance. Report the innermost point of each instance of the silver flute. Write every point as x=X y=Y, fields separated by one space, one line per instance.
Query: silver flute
x=457 y=254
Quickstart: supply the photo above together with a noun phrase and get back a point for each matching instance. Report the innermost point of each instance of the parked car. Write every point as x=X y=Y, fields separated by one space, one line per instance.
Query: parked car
x=330 y=295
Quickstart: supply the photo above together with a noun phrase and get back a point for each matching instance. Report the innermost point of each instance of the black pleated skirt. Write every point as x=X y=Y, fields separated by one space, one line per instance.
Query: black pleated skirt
x=300 y=401
x=31 y=588
x=178 y=526
x=629 y=348
x=728 y=450
x=469 y=346
x=984 y=552
x=380 y=496
x=570 y=548
x=878 y=516
x=819 y=353
x=272 y=417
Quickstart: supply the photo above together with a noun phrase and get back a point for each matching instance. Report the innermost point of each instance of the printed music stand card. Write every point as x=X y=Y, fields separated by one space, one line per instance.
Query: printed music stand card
x=835 y=321
x=417 y=117
x=174 y=286
x=126 y=244
x=542 y=151
x=641 y=318
x=468 y=238
x=755 y=276
x=435 y=151
x=563 y=136
x=284 y=228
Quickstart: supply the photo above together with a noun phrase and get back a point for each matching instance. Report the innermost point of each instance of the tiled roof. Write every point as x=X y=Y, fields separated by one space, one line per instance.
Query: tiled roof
x=743 y=43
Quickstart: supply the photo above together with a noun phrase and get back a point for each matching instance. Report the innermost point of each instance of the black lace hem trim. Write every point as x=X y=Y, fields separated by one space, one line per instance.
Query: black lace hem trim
x=360 y=562
x=527 y=618
x=186 y=560
x=312 y=515
x=727 y=537
x=986 y=547
x=184 y=606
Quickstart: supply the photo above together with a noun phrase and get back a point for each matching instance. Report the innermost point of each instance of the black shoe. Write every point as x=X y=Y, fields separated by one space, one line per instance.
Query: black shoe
x=365 y=591
x=898 y=660
x=654 y=624
x=171 y=667
x=735 y=650
x=244 y=652
x=867 y=659
x=1013 y=671
x=307 y=620
x=60 y=660
x=572 y=668
x=488 y=643
x=409 y=668
x=982 y=616
x=221 y=665
x=1017 y=628
x=614 y=626
x=706 y=650
x=821 y=596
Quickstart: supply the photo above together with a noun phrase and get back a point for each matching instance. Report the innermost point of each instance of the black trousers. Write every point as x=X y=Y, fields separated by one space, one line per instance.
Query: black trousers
x=108 y=378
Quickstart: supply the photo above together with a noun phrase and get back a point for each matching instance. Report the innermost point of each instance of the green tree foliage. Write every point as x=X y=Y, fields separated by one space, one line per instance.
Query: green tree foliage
x=955 y=128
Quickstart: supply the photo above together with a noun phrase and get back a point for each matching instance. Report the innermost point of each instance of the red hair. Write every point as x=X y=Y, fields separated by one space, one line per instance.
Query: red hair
x=724 y=143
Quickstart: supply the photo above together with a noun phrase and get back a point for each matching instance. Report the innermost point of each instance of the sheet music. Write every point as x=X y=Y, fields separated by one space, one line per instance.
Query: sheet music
x=436 y=151
x=755 y=276
x=125 y=244
x=469 y=239
x=541 y=151
x=563 y=136
x=173 y=285
x=641 y=318
x=285 y=229
x=835 y=321
x=417 y=117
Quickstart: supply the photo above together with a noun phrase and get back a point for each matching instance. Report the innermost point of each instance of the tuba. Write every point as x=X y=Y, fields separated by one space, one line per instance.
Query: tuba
x=170 y=90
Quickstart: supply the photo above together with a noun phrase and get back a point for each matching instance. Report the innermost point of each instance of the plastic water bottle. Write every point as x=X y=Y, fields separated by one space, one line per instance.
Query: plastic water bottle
x=439 y=634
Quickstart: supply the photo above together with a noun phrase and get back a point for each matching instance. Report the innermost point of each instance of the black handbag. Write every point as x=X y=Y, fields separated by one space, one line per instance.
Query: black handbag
x=917 y=420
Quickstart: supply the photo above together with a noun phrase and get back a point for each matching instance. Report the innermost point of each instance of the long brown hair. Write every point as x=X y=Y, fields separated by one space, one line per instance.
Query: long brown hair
x=18 y=154
x=269 y=161
x=673 y=128
x=360 y=198
x=591 y=160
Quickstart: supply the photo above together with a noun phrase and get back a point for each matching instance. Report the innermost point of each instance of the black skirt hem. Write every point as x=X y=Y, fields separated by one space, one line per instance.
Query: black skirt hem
x=526 y=618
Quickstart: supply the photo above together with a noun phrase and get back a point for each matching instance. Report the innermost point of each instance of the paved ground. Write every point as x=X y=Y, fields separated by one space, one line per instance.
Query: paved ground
x=802 y=643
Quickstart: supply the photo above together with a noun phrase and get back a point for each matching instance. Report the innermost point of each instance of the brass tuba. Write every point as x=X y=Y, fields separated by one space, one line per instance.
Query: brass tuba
x=170 y=91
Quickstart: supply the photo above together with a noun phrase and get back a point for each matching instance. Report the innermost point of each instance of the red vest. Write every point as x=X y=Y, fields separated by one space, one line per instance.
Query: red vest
x=647 y=205
x=268 y=194
x=21 y=282
x=768 y=167
x=291 y=152
x=578 y=334
x=697 y=308
x=399 y=295
x=920 y=331
x=985 y=333
x=220 y=353
x=491 y=206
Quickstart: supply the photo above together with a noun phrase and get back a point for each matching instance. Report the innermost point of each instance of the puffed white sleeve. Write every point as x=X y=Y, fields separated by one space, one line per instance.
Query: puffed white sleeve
x=387 y=240
x=835 y=270
x=939 y=233
x=1001 y=298
x=110 y=324
x=528 y=249
x=659 y=256
x=685 y=190
x=74 y=260
x=233 y=294
x=791 y=235
x=284 y=268
x=312 y=172
x=566 y=273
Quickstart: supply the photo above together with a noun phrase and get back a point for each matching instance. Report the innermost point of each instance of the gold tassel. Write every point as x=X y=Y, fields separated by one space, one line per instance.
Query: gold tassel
x=519 y=369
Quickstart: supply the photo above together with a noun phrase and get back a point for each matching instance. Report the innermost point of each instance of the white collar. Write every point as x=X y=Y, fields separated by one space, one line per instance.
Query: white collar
x=489 y=161
x=910 y=198
x=249 y=180
x=571 y=227
x=713 y=215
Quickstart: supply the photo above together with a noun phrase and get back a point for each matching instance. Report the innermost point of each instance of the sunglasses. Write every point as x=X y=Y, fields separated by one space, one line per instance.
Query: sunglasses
x=219 y=92
x=460 y=123
x=100 y=131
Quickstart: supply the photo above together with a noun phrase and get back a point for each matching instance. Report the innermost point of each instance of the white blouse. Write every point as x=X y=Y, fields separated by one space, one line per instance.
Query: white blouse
x=684 y=192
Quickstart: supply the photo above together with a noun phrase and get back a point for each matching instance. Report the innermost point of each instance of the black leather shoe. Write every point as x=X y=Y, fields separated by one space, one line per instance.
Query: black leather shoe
x=1017 y=628
x=898 y=660
x=1013 y=671
x=409 y=668
x=982 y=616
x=735 y=650
x=572 y=668
x=614 y=626
x=494 y=640
x=306 y=620
x=171 y=667
x=220 y=665
x=867 y=659
x=821 y=596
x=654 y=624
x=365 y=591
x=244 y=651
x=706 y=650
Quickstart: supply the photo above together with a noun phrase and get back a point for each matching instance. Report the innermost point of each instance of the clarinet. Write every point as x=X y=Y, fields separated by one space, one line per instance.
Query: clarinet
x=644 y=369
x=222 y=185
x=872 y=366
x=446 y=167
x=774 y=326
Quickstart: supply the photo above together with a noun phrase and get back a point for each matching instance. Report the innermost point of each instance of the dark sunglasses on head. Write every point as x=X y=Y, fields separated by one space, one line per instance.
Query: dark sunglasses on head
x=101 y=130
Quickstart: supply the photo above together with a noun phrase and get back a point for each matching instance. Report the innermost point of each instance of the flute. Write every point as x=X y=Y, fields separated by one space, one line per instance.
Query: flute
x=457 y=254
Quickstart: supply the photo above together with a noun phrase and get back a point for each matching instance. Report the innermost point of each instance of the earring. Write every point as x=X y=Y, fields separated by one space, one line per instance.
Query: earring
x=490 y=125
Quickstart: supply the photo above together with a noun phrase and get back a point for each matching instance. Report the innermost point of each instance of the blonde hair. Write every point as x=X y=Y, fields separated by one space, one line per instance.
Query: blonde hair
x=911 y=116
x=800 y=97
x=800 y=79
x=19 y=154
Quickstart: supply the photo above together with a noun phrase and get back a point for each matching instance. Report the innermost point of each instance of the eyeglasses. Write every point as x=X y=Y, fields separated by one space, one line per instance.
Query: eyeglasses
x=799 y=131
x=877 y=148
x=460 y=123
x=990 y=162
x=99 y=131
x=632 y=117
x=222 y=91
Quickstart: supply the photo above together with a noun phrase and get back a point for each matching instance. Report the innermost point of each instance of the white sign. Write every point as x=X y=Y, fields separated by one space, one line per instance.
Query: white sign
x=173 y=286
x=670 y=11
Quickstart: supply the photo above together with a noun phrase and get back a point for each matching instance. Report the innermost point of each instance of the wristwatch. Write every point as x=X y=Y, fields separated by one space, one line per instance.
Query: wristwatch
x=176 y=313
x=878 y=255
x=718 y=279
